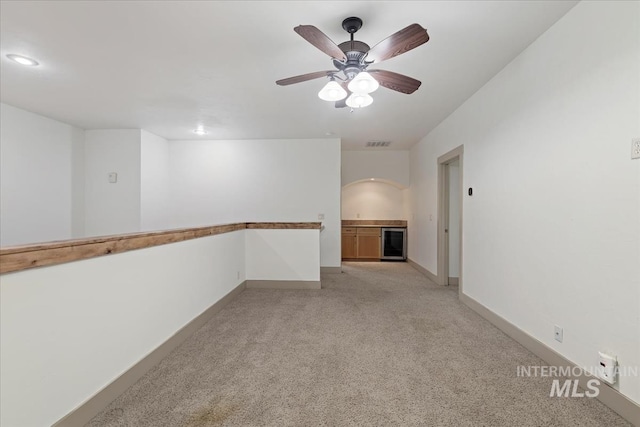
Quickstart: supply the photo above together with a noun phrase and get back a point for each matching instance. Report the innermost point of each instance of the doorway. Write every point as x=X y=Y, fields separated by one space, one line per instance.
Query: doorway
x=450 y=196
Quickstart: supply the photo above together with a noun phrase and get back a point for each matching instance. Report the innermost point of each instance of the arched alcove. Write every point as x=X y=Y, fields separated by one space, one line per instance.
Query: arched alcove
x=374 y=199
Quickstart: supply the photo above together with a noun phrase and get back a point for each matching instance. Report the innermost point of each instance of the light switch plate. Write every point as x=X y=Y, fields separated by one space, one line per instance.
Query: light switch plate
x=113 y=177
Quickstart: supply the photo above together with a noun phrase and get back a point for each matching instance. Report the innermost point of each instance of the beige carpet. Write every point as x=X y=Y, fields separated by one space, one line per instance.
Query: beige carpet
x=379 y=345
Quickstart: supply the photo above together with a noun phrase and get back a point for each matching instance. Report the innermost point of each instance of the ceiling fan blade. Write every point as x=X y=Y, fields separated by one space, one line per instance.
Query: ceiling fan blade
x=396 y=44
x=395 y=81
x=303 y=78
x=320 y=40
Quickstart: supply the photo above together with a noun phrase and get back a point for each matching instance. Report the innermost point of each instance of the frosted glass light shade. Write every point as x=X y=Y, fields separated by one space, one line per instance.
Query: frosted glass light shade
x=359 y=100
x=332 y=91
x=363 y=83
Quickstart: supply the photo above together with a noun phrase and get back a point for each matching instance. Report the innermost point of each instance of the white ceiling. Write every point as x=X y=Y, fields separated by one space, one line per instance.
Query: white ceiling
x=168 y=66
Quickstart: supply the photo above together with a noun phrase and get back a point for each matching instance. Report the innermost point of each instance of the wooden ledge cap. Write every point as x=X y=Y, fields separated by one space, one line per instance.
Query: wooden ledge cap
x=23 y=257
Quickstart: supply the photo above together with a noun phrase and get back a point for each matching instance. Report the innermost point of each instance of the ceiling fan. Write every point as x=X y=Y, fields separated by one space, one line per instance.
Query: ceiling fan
x=351 y=83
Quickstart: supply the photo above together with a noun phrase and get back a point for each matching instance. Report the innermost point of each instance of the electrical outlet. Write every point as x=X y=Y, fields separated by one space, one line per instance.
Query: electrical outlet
x=557 y=333
x=606 y=368
x=635 y=148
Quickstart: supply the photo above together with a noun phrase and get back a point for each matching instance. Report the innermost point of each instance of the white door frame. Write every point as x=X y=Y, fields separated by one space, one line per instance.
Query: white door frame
x=443 y=214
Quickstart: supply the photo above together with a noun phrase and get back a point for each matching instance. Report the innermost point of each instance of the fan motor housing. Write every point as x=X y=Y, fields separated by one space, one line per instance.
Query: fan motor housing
x=355 y=51
x=354 y=46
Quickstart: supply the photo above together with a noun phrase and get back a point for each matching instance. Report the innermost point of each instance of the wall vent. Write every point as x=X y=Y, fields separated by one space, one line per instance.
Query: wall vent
x=376 y=144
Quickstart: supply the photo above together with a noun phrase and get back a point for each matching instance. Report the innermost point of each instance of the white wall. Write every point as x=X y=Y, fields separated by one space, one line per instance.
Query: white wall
x=155 y=209
x=551 y=234
x=112 y=208
x=386 y=165
x=284 y=255
x=387 y=196
x=70 y=329
x=54 y=180
x=454 y=218
x=373 y=200
x=78 y=185
x=38 y=159
x=259 y=180
x=160 y=184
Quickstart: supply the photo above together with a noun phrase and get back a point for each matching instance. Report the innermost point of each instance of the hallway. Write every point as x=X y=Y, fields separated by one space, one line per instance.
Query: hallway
x=378 y=345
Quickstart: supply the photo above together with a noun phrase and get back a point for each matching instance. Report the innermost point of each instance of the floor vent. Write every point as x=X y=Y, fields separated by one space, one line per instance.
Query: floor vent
x=376 y=144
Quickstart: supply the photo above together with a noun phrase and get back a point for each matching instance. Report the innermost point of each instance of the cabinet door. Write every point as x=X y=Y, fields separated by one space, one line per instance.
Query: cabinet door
x=368 y=246
x=349 y=246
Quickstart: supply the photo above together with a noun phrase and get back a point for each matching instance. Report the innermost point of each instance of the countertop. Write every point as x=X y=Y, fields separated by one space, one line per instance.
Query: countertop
x=373 y=223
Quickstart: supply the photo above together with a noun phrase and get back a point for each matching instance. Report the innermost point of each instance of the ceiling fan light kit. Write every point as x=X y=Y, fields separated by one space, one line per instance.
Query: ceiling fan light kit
x=332 y=91
x=352 y=59
x=363 y=82
x=359 y=100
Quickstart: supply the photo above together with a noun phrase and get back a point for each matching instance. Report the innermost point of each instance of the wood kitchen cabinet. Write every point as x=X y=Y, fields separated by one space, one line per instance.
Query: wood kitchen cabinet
x=361 y=243
x=368 y=242
x=349 y=243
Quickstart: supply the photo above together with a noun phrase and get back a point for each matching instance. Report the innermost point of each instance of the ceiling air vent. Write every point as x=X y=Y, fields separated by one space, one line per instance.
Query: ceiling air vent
x=377 y=144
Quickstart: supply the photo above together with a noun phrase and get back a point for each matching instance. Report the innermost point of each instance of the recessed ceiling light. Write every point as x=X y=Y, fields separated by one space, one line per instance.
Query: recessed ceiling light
x=200 y=131
x=22 y=60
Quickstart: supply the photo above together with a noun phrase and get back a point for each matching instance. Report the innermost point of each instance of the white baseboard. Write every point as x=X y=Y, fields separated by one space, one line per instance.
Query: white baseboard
x=454 y=281
x=283 y=284
x=96 y=403
x=611 y=397
x=330 y=270
x=423 y=270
